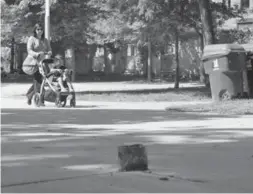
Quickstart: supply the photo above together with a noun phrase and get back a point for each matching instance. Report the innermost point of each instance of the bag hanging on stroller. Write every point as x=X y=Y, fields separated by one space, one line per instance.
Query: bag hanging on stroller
x=30 y=65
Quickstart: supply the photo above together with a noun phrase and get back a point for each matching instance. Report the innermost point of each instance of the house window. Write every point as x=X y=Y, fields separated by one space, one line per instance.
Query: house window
x=130 y=50
x=245 y=3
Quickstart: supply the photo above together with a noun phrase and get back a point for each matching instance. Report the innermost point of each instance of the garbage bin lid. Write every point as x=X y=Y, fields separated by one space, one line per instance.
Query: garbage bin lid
x=220 y=50
x=248 y=47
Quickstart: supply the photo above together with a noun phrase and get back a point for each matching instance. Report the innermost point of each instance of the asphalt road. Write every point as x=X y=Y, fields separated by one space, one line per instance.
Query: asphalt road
x=75 y=150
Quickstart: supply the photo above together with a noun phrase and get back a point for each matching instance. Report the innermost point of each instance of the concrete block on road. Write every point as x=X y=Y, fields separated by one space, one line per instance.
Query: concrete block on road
x=133 y=157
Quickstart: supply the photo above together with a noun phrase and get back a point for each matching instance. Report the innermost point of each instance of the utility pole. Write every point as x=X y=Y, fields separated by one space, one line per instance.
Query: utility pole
x=149 y=72
x=251 y=4
x=47 y=20
x=177 y=76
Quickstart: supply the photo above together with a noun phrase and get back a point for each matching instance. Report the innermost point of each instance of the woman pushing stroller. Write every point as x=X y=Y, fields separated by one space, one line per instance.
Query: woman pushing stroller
x=37 y=46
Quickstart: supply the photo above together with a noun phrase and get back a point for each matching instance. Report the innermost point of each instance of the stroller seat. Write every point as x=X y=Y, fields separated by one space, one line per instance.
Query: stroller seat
x=46 y=70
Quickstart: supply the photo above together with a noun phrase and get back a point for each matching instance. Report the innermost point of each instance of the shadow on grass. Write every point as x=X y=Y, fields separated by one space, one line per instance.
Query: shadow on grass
x=233 y=107
x=194 y=91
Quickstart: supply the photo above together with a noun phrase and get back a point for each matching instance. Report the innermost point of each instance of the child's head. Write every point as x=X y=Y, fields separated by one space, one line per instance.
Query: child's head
x=58 y=60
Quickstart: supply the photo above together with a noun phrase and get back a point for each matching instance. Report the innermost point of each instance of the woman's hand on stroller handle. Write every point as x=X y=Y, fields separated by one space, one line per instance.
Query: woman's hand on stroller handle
x=48 y=53
x=44 y=54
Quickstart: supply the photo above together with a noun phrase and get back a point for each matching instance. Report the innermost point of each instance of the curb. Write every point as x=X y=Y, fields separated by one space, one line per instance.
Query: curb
x=141 y=91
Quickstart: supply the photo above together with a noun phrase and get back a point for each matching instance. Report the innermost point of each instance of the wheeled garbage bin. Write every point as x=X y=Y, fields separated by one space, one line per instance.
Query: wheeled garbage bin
x=225 y=64
x=249 y=67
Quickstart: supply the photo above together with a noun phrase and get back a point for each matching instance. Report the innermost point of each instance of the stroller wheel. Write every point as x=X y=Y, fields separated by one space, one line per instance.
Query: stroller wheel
x=59 y=102
x=36 y=99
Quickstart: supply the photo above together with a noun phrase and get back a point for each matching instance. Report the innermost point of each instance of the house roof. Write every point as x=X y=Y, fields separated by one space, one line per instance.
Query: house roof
x=219 y=50
x=246 y=21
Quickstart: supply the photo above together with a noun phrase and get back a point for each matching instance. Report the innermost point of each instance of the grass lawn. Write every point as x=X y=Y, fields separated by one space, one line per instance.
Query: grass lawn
x=239 y=107
x=171 y=95
x=233 y=107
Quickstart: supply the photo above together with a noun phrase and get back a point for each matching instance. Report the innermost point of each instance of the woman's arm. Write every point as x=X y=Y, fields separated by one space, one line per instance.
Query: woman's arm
x=30 y=50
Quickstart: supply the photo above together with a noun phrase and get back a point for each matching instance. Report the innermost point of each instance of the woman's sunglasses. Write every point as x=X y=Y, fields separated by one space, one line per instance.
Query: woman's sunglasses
x=39 y=29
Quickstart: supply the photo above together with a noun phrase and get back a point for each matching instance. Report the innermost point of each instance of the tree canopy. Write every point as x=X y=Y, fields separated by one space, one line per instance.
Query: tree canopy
x=70 y=19
x=101 y=21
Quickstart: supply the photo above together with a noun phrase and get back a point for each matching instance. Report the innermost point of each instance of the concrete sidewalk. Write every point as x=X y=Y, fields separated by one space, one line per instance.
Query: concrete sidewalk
x=18 y=103
x=19 y=89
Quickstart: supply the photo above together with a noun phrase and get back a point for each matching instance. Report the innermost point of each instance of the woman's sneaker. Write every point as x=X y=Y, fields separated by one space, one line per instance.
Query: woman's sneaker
x=29 y=101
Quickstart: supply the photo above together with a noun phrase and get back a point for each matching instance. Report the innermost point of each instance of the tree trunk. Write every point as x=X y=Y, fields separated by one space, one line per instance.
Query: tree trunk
x=207 y=31
x=12 y=54
x=92 y=52
x=177 y=59
x=201 y=68
x=149 y=62
x=162 y=52
x=202 y=43
x=229 y=3
x=226 y=4
x=207 y=22
x=106 y=61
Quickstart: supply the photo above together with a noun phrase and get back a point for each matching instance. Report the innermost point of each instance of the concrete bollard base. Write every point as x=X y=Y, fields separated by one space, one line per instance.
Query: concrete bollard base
x=133 y=158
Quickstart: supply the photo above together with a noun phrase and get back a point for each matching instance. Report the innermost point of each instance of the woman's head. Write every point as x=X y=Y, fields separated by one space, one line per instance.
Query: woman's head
x=38 y=31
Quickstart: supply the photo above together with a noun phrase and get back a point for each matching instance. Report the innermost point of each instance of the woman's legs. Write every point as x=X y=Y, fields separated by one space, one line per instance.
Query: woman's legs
x=37 y=81
x=37 y=85
x=29 y=94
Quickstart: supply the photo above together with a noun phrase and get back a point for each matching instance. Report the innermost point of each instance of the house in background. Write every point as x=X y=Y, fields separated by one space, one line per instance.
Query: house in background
x=241 y=4
x=87 y=58
x=245 y=24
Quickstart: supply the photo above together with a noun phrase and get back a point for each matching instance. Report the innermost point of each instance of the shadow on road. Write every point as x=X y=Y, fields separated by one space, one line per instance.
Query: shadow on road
x=85 y=115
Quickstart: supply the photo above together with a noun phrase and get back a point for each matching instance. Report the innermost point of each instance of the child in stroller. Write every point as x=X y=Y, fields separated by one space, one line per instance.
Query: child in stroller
x=61 y=74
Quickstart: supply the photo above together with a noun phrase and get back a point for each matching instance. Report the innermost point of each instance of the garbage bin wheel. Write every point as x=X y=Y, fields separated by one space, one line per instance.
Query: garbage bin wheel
x=225 y=95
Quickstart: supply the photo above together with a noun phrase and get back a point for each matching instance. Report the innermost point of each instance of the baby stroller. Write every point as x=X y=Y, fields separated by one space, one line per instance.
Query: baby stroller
x=50 y=88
